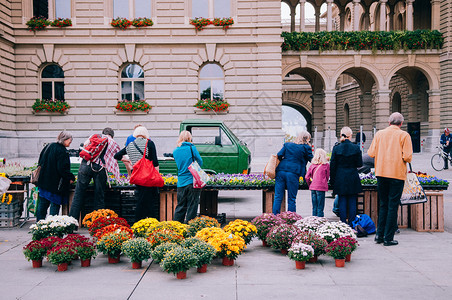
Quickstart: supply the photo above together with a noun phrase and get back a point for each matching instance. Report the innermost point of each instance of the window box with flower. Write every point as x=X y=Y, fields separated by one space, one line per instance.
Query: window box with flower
x=37 y=23
x=126 y=106
x=224 y=22
x=46 y=106
x=208 y=106
x=61 y=22
x=200 y=23
x=142 y=22
x=121 y=23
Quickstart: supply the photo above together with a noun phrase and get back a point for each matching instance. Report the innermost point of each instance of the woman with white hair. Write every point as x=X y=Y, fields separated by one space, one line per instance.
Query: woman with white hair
x=55 y=176
x=148 y=202
x=344 y=177
x=293 y=157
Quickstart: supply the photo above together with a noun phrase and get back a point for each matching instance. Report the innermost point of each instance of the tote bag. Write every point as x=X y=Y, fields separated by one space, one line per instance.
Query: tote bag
x=270 y=168
x=144 y=172
x=200 y=177
x=413 y=193
x=35 y=174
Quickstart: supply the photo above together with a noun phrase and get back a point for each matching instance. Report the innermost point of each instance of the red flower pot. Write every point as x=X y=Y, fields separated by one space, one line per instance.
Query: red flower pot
x=284 y=251
x=300 y=264
x=227 y=261
x=36 y=263
x=202 y=269
x=181 y=275
x=113 y=260
x=313 y=259
x=85 y=262
x=348 y=257
x=62 y=267
x=136 y=265
x=340 y=262
x=264 y=243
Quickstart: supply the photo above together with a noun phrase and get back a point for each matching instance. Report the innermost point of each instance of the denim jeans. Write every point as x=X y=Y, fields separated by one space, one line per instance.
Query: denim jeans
x=148 y=203
x=389 y=193
x=290 y=181
x=336 y=204
x=318 y=203
x=85 y=174
x=43 y=205
x=347 y=206
x=187 y=203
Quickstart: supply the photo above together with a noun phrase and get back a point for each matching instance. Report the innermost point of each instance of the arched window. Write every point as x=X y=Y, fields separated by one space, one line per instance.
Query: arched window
x=211 y=82
x=52 y=83
x=205 y=8
x=132 y=83
x=396 y=103
x=346 y=115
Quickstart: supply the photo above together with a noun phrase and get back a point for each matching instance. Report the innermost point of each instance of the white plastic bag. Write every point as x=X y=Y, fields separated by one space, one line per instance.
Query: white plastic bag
x=4 y=185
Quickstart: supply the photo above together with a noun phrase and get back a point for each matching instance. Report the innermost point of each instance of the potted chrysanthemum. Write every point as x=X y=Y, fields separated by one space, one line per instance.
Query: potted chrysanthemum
x=160 y=251
x=203 y=251
x=263 y=225
x=35 y=251
x=282 y=236
x=241 y=228
x=178 y=261
x=161 y=236
x=331 y=231
x=137 y=250
x=199 y=223
x=61 y=255
x=104 y=222
x=85 y=251
x=140 y=228
x=53 y=226
x=311 y=223
x=339 y=249
x=111 y=245
x=289 y=217
x=300 y=253
x=96 y=214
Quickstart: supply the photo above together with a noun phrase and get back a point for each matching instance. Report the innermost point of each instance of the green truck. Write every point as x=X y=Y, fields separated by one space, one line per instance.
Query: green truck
x=220 y=149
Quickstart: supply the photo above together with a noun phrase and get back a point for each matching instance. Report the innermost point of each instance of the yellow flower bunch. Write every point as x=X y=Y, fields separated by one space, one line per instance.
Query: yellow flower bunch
x=10 y=198
x=93 y=216
x=241 y=228
x=141 y=227
x=226 y=244
x=171 y=225
x=170 y=180
x=201 y=222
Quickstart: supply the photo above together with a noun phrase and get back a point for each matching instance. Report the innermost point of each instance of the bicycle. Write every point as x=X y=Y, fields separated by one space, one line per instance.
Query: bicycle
x=438 y=159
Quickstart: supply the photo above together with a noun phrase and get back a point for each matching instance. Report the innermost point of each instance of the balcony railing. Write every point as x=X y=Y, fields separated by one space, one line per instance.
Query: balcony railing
x=362 y=40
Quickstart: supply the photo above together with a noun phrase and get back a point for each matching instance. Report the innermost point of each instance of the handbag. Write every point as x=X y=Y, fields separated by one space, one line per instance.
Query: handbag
x=270 y=167
x=413 y=193
x=35 y=174
x=144 y=172
x=200 y=177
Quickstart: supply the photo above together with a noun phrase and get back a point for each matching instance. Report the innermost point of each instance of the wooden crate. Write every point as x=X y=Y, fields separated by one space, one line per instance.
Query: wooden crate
x=403 y=217
x=168 y=202
x=268 y=197
x=429 y=216
x=208 y=205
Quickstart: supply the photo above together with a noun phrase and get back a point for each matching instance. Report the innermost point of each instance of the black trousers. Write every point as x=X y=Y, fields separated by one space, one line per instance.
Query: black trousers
x=389 y=193
x=148 y=203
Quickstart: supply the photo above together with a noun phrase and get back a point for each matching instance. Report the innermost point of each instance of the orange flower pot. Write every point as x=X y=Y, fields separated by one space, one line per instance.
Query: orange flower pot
x=36 y=263
x=340 y=262
x=113 y=260
x=136 y=265
x=348 y=257
x=181 y=275
x=300 y=264
x=85 y=262
x=284 y=251
x=313 y=259
x=227 y=261
x=62 y=267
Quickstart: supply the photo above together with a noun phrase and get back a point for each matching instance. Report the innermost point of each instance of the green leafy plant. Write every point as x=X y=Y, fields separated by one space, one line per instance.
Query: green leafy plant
x=61 y=254
x=204 y=251
x=212 y=105
x=224 y=22
x=142 y=22
x=121 y=23
x=300 y=252
x=126 y=105
x=160 y=251
x=178 y=260
x=37 y=23
x=137 y=249
x=111 y=244
x=200 y=23
x=50 y=105
x=60 y=22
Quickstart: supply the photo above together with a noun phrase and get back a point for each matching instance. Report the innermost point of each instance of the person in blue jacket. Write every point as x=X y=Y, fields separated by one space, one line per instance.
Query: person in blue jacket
x=446 y=141
x=187 y=196
x=293 y=157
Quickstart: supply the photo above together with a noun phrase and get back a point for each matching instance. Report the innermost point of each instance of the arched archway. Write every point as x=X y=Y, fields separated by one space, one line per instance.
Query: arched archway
x=294 y=119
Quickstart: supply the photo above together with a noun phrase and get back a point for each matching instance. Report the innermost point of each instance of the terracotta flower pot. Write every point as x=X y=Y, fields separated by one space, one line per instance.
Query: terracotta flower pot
x=85 y=262
x=313 y=259
x=181 y=275
x=348 y=257
x=227 y=261
x=300 y=264
x=202 y=269
x=62 y=267
x=136 y=264
x=340 y=262
x=113 y=260
x=284 y=251
x=36 y=263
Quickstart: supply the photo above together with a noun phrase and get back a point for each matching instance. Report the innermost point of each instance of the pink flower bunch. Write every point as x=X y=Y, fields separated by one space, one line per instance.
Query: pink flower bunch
x=289 y=217
x=282 y=236
x=264 y=224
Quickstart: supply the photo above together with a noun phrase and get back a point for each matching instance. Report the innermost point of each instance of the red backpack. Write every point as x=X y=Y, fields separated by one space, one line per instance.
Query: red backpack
x=97 y=144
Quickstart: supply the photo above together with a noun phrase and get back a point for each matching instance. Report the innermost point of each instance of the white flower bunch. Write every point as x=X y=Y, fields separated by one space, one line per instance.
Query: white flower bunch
x=300 y=252
x=311 y=223
x=53 y=226
x=331 y=231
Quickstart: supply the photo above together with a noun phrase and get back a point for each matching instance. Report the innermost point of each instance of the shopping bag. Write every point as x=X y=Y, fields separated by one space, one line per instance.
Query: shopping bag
x=35 y=175
x=413 y=193
x=4 y=185
x=270 y=167
x=33 y=202
x=200 y=177
x=145 y=174
x=365 y=222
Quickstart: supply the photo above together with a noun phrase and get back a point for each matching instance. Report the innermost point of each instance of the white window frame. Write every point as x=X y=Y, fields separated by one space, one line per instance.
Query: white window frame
x=52 y=80
x=132 y=80
x=189 y=10
x=211 y=79
x=109 y=7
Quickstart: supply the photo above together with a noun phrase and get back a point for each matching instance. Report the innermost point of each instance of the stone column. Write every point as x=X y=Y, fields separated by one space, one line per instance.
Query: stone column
x=342 y=20
x=383 y=15
x=317 y=18
x=329 y=15
x=302 y=15
x=413 y=101
x=366 y=18
x=329 y=119
x=436 y=12
x=292 y=19
x=391 y=17
x=211 y=9
x=434 y=109
x=356 y=4
x=382 y=110
x=409 y=14
x=317 y=112
x=365 y=103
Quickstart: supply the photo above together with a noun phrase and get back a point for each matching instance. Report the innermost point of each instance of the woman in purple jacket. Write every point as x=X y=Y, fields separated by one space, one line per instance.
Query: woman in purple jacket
x=317 y=179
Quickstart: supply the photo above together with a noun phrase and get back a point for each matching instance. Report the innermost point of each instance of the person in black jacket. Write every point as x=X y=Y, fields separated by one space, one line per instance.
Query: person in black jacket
x=344 y=177
x=55 y=176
